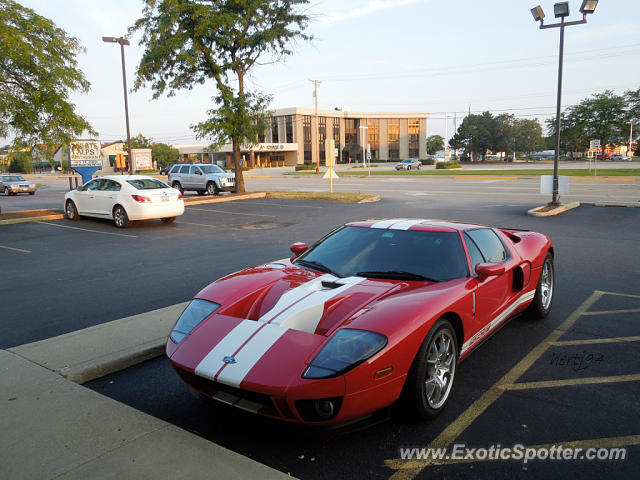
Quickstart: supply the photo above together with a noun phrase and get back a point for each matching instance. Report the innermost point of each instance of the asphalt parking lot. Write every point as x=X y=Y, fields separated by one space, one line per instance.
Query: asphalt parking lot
x=534 y=383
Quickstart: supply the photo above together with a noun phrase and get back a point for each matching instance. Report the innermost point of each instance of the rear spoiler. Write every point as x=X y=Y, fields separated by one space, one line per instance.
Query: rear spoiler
x=512 y=233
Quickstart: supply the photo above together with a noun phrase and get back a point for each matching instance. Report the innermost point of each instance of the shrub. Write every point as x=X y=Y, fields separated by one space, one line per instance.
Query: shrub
x=305 y=166
x=428 y=161
x=446 y=166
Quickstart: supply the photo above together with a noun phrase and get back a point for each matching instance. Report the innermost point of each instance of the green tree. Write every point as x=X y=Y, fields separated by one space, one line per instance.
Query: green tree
x=140 y=141
x=527 y=136
x=435 y=143
x=164 y=154
x=602 y=117
x=38 y=69
x=476 y=134
x=188 y=42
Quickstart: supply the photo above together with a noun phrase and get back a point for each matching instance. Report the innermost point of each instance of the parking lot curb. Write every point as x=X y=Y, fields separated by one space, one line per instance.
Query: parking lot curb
x=247 y=196
x=370 y=199
x=537 y=212
x=613 y=204
x=11 y=221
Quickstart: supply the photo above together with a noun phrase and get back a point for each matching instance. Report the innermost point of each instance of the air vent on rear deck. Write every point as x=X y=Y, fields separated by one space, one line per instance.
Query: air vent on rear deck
x=331 y=285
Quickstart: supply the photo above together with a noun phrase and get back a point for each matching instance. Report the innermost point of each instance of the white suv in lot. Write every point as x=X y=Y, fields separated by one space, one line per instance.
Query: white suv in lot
x=203 y=178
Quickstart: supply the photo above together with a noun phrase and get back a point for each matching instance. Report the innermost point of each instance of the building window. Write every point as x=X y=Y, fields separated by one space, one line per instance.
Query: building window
x=289 y=129
x=322 y=135
x=274 y=130
x=373 y=137
x=414 y=138
x=394 y=139
x=351 y=131
x=306 y=130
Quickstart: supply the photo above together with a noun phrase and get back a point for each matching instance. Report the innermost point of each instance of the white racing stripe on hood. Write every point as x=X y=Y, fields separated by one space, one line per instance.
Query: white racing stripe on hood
x=302 y=307
x=386 y=223
x=250 y=354
x=405 y=225
x=212 y=363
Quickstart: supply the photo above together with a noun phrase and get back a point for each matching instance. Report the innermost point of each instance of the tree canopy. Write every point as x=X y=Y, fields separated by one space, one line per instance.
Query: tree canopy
x=38 y=69
x=435 y=143
x=188 y=43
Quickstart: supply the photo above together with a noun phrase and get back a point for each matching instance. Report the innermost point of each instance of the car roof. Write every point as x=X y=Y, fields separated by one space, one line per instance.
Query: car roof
x=416 y=224
x=127 y=177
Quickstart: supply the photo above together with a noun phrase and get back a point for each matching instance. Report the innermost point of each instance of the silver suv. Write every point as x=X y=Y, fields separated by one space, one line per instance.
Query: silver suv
x=203 y=178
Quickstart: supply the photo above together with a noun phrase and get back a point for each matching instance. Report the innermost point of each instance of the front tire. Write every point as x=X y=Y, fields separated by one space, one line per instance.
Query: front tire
x=71 y=211
x=6 y=191
x=120 y=217
x=541 y=304
x=432 y=373
x=168 y=219
x=212 y=189
x=409 y=167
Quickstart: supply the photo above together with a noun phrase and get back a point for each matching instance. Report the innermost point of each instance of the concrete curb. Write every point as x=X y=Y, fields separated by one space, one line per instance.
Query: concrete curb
x=247 y=196
x=613 y=204
x=370 y=199
x=32 y=219
x=535 y=212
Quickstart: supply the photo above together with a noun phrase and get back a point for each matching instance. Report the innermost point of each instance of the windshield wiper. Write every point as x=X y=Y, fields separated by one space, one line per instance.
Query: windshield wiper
x=396 y=274
x=317 y=266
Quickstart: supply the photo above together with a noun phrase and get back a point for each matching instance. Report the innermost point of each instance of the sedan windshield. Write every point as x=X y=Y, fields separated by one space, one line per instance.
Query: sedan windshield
x=13 y=178
x=147 y=184
x=392 y=254
x=211 y=169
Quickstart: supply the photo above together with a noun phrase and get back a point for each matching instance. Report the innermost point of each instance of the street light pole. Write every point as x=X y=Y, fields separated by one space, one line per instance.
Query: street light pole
x=561 y=10
x=123 y=41
x=363 y=138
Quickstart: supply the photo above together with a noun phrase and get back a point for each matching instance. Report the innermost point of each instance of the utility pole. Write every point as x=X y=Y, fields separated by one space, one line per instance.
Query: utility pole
x=315 y=146
x=630 y=152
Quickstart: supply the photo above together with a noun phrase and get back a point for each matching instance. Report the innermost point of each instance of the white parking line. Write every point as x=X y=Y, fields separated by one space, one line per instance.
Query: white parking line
x=87 y=230
x=15 y=249
x=232 y=213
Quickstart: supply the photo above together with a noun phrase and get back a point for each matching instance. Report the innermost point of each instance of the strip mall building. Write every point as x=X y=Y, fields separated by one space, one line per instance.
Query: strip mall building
x=296 y=136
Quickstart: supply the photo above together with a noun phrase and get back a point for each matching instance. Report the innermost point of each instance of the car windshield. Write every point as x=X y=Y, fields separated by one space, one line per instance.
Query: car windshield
x=211 y=169
x=385 y=253
x=13 y=178
x=147 y=184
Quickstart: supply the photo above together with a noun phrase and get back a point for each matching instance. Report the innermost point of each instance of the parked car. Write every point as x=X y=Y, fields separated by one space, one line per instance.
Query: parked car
x=124 y=198
x=14 y=184
x=408 y=164
x=618 y=157
x=203 y=178
x=165 y=170
x=603 y=156
x=374 y=310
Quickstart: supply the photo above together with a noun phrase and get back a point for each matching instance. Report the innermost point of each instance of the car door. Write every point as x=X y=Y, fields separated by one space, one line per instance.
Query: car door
x=494 y=293
x=197 y=178
x=106 y=197
x=85 y=197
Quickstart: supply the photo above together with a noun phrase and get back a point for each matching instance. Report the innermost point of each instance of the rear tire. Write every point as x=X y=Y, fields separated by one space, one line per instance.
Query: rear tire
x=542 y=300
x=120 y=217
x=178 y=187
x=409 y=167
x=6 y=191
x=433 y=371
x=71 y=211
x=168 y=219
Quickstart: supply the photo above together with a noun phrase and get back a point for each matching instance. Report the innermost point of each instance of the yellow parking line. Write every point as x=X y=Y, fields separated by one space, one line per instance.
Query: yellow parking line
x=483 y=177
x=15 y=249
x=409 y=469
x=88 y=230
x=586 y=179
x=597 y=340
x=570 y=382
x=608 y=312
x=232 y=213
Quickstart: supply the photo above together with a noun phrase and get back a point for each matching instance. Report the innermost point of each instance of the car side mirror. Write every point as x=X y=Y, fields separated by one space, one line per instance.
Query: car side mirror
x=298 y=249
x=486 y=270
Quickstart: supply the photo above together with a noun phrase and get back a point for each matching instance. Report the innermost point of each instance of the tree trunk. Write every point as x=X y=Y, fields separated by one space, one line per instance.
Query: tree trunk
x=236 y=145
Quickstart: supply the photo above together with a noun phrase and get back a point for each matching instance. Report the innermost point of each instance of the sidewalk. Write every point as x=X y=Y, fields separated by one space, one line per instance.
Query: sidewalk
x=55 y=428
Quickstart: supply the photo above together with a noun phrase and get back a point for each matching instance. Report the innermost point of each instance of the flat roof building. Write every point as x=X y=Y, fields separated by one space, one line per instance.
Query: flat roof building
x=295 y=136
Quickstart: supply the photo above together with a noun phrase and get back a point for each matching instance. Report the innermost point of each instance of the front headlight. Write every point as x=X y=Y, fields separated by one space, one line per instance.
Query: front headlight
x=195 y=313
x=347 y=349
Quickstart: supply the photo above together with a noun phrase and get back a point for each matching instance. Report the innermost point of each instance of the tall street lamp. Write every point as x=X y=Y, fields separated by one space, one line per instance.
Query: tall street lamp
x=363 y=137
x=123 y=41
x=561 y=11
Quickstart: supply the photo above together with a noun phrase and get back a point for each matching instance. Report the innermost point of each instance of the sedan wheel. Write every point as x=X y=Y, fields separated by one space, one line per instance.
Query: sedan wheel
x=6 y=191
x=168 y=219
x=409 y=167
x=120 y=217
x=70 y=210
x=212 y=188
x=433 y=371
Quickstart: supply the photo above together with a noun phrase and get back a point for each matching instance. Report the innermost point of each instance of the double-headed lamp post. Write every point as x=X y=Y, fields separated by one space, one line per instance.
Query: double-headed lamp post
x=123 y=41
x=561 y=11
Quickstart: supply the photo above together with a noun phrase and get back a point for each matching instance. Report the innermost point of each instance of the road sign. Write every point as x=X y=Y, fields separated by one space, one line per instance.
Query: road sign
x=594 y=144
x=368 y=156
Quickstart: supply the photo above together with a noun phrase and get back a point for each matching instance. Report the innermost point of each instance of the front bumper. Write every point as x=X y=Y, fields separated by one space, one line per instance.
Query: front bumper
x=21 y=189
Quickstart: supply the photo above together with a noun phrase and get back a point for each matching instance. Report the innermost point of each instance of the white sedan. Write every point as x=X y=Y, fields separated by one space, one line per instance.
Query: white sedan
x=124 y=198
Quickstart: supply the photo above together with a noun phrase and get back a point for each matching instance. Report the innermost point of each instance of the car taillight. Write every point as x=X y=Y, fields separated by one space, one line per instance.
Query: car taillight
x=179 y=196
x=141 y=198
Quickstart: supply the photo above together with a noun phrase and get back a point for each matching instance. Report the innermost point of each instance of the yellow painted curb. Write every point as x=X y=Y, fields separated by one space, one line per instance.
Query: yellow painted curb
x=535 y=212
x=370 y=199
x=11 y=221
x=225 y=199
x=258 y=176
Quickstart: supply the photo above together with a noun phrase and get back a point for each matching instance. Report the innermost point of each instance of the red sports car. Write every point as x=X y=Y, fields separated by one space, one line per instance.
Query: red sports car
x=374 y=311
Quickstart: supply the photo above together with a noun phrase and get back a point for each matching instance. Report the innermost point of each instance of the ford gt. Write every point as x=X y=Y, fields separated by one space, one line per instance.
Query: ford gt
x=374 y=312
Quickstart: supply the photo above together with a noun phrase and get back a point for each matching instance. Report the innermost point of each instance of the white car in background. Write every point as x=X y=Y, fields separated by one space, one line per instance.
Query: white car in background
x=124 y=198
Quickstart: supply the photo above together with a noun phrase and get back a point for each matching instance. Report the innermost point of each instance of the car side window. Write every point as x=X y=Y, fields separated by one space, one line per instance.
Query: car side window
x=196 y=171
x=474 y=253
x=175 y=169
x=111 y=186
x=94 y=184
x=489 y=245
x=184 y=169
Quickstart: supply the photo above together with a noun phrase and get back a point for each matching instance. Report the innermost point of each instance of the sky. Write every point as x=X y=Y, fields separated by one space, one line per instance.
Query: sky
x=443 y=57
